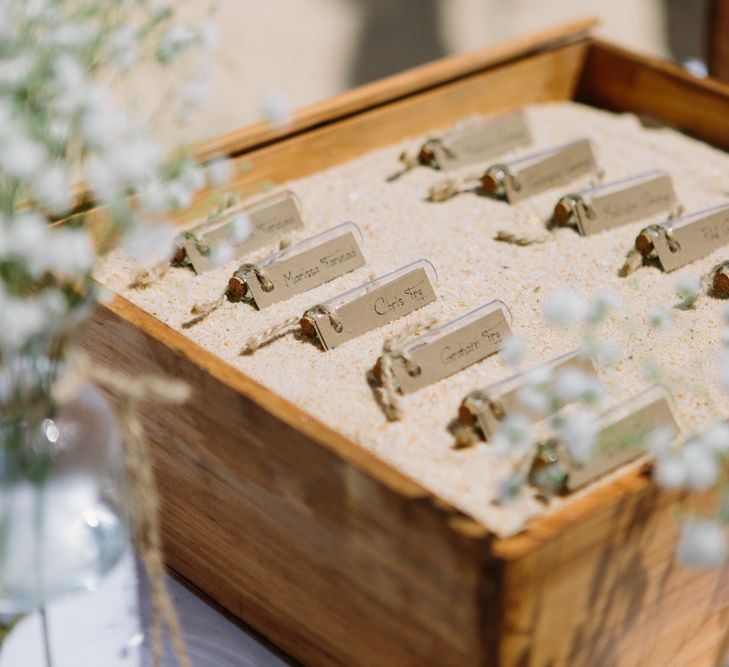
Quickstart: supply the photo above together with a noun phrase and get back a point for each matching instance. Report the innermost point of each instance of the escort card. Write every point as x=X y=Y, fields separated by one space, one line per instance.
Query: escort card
x=478 y=139
x=452 y=347
x=618 y=203
x=622 y=433
x=374 y=304
x=270 y=218
x=694 y=237
x=541 y=171
x=306 y=265
x=489 y=406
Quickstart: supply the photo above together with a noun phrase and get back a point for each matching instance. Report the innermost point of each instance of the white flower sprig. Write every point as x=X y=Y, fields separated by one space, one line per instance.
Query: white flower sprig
x=60 y=124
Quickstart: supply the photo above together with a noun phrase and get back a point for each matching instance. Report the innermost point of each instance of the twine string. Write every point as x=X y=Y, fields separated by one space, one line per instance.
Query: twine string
x=145 y=278
x=393 y=350
x=269 y=335
x=444 y=191
x=142 y=483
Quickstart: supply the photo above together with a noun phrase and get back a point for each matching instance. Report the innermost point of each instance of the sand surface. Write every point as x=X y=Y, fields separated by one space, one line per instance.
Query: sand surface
x=399 y=226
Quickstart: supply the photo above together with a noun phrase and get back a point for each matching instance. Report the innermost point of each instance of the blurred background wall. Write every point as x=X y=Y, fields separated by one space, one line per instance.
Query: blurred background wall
x=289 y=53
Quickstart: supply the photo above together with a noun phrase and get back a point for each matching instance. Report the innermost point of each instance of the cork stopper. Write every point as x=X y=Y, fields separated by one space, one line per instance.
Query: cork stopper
x=307 y=326
x=426 y=157
x=237 y=288
x=377 y=369
x=180 y=255
x=466 y=414
x=720 y=284
x=563 y=211
x=644 y=244
x=492 y=182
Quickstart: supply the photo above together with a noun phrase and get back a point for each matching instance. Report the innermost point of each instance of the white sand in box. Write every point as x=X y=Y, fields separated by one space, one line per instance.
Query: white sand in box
x=399 y=226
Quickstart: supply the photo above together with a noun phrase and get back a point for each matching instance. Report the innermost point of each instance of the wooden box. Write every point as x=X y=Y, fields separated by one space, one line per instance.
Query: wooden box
x=339 y=559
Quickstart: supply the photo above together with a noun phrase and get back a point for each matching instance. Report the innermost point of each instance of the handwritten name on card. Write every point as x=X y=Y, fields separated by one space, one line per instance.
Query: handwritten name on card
x=306 y=265
x=270 y=218
x=453 y=347
x=374 y=305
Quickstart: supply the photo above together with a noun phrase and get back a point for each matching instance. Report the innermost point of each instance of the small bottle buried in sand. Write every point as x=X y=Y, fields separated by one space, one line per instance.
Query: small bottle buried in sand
x=410 y=362
x=472 y=140
x=482 y=411
x=360 y=310
x=621 y=438
x=675 y=243
x=300 y=267
x=293 y=270
x=229 y=231
x=617 y=203
x=529 y=175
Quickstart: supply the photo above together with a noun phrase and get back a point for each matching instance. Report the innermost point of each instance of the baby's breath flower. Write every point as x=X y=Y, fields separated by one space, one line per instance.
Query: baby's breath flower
x=123 y=48
x=510 y=487
x=703 y=544
x=151 y=242
x=659 y=318
x=220 y=171
x=659 y=441
x=601 y=307
x=52 y=188
x=221 y=253
x=578 y=433
x=175 y=41
x=21 y=157
x=14 y=71
x=513 y=350
x=277 y=107
x=535 y=399
x=564 y=307
x=191 y=95
x=209 y=36
x=514 y=437
x=670 y=471
x=688 y=290
x=702 y=468
x=716 y=438
x=240 y=227
x=571 y=384
x=70 y=251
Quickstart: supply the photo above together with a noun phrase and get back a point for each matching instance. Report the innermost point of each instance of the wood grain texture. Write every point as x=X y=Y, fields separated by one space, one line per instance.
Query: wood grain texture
x=389 y=89
x=608 y=590
x=617 y=79
x=333 y=556
x=717 y=39
x=548 y=76
x=341 y=560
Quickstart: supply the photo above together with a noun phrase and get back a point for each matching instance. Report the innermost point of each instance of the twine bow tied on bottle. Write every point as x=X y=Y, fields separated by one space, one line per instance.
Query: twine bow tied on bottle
x=393 y=350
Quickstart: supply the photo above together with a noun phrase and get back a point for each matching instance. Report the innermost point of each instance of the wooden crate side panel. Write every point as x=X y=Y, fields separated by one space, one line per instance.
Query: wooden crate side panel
x=620 y=80
x=609 y=592
x=325 y=560
x=396 y=87
x=544 y=77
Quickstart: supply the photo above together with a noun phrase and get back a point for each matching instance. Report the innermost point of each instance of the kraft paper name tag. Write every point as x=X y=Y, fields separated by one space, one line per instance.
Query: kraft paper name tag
x=488 y=407
x=541 y=171
x=452 y=347
x=477 y=139
x=620 y=439
x=692 y=237
x=270 y=218
x=303 y=266
x=374 y=304
x=622 y=434
x=617 y=203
